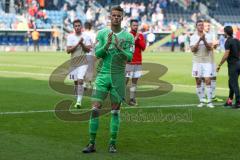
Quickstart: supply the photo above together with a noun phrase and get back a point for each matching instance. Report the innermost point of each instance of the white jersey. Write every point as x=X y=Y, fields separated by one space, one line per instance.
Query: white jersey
x=91 y=40
x=202 y=55
x=73 y=40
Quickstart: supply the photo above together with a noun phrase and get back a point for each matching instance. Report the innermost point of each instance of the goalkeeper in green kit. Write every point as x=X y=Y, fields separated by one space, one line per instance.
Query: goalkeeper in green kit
x=115 y=47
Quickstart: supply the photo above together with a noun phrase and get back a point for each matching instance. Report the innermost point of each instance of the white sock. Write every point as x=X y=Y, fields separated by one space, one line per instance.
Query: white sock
x=80 y=90
x=213 y=87
x=199 y=93
x=209 y=93
x=133 y=91
x=203 y=89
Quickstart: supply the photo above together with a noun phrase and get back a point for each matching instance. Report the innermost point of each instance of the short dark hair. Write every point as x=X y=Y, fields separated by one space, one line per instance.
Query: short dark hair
x=228 y=30
x=133 y=20
x=117 y=8
x=77 y=21
x=199 y=21
x=88 y=25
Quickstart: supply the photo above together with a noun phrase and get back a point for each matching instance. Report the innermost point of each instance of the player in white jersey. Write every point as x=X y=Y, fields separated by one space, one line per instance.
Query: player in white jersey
x=90 y=55
x=77 y=46
x=207 y=29
x=201 y=46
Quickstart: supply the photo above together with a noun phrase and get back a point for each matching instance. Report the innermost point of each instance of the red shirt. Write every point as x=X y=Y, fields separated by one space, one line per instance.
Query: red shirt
x=140 y=46
x=238 y=35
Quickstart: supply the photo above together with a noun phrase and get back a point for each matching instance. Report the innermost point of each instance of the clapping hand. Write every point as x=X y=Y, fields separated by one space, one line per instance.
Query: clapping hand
x=109 y=41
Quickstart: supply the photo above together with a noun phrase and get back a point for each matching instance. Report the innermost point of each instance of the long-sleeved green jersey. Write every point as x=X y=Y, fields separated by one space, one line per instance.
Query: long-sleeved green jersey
x=114 y=60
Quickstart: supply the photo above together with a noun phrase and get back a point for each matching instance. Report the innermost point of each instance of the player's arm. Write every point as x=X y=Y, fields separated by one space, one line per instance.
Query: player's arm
x=86 y=48
x=128 y=52
x=195 y=47
x=101 y=48
x=207 y=45
x=71 y=49
x=225 y=56
x=141 y=42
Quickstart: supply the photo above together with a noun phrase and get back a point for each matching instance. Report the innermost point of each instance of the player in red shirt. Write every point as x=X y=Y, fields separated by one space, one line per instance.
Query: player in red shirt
x=134 y=68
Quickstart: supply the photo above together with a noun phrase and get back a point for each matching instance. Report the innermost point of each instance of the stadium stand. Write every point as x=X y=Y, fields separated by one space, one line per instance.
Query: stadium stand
x=155 y=16
x=227 y=12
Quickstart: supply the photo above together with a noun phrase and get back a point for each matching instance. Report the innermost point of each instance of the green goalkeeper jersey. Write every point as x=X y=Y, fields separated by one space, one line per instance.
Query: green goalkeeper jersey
x=114 y=60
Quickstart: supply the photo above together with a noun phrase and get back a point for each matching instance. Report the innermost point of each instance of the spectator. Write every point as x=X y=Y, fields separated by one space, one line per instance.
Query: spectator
x=142 y=9
x=35 y=38
x=18 y=5
x=181 y=42
x=41 y=3
x=173 y=41
x=55 y=37
x=27 y=39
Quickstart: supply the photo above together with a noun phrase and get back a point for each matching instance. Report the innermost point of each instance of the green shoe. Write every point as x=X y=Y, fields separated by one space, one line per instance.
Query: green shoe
x=78 y=105
x=215 y=99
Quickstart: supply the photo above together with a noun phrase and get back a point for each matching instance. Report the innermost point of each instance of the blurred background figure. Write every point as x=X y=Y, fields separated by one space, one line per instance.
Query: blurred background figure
x=181 y=42
x=35 y=38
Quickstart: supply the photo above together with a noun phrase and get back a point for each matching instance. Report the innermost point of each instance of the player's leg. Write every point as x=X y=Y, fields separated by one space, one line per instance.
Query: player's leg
x=137 y=73
x=128 y=72
x=207 y=73
x=79 y=92
x=93 y=127
x=114 y=127
x=209 y=92
x=117 y=94
x=213 y=87
x=133 y=89
x=81 y=71
x=199 y=91
x=129 y=75
x=196 y=73
x=203 y=90
x=73 y=76
x=98 y=96
x=213 y=84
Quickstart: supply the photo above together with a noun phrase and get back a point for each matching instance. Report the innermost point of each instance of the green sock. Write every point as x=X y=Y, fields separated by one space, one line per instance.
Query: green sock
x=114 y=125
x=93 y=125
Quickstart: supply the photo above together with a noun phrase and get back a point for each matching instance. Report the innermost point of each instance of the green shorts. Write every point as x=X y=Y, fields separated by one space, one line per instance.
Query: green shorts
x=112 y=84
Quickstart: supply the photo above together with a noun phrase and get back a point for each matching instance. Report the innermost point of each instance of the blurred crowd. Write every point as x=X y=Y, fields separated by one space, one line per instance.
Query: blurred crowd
x=33 y=14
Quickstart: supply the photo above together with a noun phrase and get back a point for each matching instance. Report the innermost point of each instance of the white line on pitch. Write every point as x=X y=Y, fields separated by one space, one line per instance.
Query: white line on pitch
x=26 y=73
x=45 y=74
x=27 y=66
x=77 y=110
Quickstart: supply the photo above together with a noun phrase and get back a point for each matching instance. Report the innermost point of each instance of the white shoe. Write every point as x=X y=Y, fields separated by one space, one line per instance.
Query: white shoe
x=210 y=105
x=204 y=100
x=201 y=104
x=78 y=105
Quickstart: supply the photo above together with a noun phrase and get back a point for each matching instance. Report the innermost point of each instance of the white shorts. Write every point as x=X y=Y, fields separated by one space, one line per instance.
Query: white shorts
x=214 y=70
x=133 y=71
x=78 y=73
x=202 y=70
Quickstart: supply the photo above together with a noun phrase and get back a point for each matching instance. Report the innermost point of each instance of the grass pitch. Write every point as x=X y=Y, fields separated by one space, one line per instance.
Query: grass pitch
x=167 y=127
